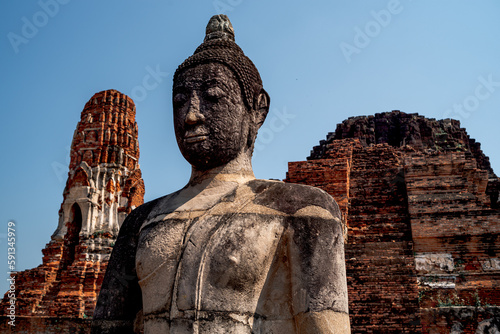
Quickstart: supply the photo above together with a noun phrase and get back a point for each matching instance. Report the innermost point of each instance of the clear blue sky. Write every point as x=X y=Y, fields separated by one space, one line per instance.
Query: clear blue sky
x=321 y=62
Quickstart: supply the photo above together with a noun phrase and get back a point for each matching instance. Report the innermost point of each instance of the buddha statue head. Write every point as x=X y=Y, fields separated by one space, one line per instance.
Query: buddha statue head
x=218 y=100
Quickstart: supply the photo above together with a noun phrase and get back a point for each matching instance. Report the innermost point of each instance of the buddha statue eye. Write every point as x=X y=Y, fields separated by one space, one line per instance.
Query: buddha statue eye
x=213 y=94
x=180 y=99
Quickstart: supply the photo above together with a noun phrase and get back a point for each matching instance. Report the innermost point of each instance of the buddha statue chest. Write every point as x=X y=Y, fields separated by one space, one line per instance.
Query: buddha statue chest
x=217 y=261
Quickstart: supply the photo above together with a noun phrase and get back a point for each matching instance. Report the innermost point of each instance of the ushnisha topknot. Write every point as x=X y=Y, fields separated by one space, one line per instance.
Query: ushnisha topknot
x=219 y=46
x=219 y=27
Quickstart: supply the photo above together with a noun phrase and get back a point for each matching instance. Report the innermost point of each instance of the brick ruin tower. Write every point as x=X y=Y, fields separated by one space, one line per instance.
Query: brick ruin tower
x=104 y=185
x=420 y=202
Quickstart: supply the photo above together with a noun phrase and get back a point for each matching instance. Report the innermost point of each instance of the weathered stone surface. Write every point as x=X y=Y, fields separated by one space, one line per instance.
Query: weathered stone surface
x=104 y=185
x=461 y=319
x=420 y=202
x=45 y=325
x=434 y=263
x=227 y=253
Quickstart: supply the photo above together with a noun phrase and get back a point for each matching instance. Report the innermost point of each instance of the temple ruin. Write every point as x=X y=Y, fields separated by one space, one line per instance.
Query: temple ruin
x=420 y=201
x=104 y=185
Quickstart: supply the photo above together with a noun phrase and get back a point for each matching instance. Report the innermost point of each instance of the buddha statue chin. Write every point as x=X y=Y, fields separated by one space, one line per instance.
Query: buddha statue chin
x=227 y=253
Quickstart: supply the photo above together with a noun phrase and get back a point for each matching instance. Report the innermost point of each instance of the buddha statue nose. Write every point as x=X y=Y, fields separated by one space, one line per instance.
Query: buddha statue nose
x=194 y=116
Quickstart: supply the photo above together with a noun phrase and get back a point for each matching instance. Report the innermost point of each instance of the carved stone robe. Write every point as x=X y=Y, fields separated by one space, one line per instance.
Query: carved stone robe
x=263 y=258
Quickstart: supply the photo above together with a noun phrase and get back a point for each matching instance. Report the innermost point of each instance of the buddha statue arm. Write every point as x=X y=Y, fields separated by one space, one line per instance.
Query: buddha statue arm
x=315 y=254
x=120 y=300
x=316 y=251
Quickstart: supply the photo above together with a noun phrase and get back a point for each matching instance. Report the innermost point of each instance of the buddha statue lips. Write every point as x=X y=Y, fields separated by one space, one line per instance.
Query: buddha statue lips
x=196 y=135
x=194 y=138
x=227 y=253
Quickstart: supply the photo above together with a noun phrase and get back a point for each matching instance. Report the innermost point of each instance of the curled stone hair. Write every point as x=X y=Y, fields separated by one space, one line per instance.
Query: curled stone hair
x=219 y=46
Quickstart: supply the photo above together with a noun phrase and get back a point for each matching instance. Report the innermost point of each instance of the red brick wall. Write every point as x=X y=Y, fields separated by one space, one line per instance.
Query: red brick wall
x=382 y=285
x=423 y=232
x=452 y=216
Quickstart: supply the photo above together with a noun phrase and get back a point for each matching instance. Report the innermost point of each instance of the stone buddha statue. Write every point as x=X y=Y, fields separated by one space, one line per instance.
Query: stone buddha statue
x=227 y=253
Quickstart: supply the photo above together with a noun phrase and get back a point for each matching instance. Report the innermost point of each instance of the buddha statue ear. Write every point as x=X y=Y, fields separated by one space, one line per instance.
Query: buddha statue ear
x=261 y=107
x=258 y=116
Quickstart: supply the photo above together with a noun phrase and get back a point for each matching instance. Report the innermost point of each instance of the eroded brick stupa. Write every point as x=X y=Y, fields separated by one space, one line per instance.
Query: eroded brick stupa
x=420 y=201
x=104 y=185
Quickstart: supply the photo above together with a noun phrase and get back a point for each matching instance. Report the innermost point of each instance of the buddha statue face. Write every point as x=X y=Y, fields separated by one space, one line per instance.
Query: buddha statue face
x=211 y=120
